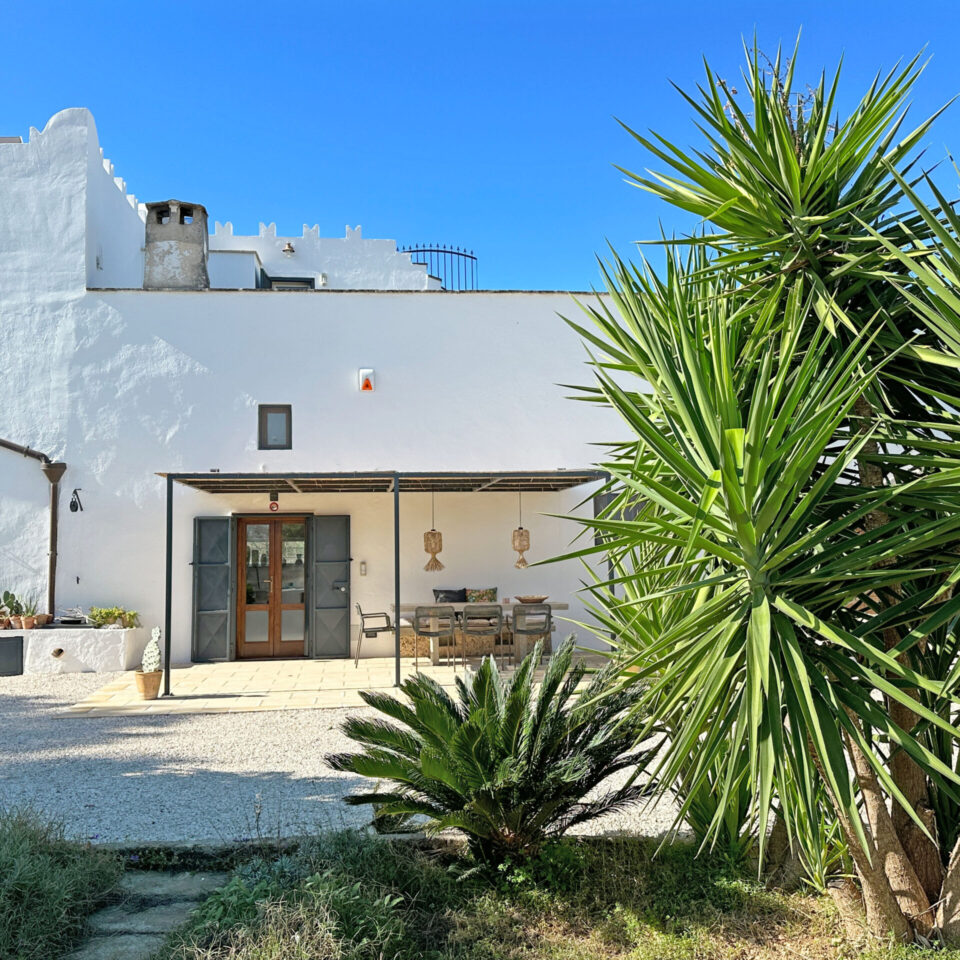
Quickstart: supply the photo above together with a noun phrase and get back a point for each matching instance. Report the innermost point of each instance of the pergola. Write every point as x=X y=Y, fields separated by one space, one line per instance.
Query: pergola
x=395 y=482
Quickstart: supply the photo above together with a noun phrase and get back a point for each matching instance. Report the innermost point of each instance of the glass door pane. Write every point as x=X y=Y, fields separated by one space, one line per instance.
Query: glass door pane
x=258 y=563
x=255 y=607
x=257 y=629
x=293 y=550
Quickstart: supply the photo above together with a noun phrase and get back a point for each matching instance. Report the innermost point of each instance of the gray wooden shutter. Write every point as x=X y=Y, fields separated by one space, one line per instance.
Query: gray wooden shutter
x=214 y=574
x=329 y=627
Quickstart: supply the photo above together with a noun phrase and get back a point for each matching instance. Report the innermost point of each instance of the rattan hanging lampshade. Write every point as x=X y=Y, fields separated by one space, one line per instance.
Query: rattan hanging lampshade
x=433 y=542
x=521 y=537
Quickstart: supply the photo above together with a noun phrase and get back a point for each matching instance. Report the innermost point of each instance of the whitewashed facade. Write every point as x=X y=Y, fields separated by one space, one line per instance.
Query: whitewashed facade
x=125 y=383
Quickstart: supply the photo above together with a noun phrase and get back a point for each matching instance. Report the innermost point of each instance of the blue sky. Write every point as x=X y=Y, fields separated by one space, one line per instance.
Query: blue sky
x=487 y=125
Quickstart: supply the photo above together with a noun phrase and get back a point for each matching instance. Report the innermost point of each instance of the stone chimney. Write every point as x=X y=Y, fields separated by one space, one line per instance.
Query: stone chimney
x=176 y=247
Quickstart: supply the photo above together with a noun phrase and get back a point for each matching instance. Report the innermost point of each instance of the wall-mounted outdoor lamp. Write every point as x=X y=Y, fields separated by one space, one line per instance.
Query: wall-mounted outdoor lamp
x=75 y=503
x=288 y=249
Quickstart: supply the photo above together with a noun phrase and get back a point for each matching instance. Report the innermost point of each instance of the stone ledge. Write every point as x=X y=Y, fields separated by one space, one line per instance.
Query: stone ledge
x=84 y=650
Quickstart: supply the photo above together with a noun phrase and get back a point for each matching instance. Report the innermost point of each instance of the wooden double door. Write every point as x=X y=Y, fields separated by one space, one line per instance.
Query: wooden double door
x=271 y=595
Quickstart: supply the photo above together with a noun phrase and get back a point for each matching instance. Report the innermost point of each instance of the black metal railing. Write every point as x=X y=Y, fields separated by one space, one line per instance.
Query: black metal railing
x=455 y=268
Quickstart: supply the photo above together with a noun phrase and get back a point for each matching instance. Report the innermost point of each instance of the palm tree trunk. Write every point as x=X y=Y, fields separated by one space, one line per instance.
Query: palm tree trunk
x=885 y=917
x=923 y=853
x=891 y=857
x=848 y=900
x=948 y=914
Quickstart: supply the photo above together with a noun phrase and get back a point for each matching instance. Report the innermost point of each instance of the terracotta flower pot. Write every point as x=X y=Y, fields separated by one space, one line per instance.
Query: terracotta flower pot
x=28 y=623
x=15 y=623
x=148 y=684
x=4 y=623
x=43 y=619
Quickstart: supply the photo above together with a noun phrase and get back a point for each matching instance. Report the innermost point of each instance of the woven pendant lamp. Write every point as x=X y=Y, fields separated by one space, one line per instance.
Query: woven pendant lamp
x=433 y=542
x=521 y=537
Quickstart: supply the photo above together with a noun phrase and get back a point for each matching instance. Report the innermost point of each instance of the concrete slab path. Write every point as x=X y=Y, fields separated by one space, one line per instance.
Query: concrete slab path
x=151 y=905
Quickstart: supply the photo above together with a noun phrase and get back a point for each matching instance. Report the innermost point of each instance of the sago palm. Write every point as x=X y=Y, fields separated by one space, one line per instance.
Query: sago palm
x=507 y=761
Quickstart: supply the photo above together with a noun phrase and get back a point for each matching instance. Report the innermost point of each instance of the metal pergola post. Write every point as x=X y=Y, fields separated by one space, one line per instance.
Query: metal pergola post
x=396 y=578
x=167 y=616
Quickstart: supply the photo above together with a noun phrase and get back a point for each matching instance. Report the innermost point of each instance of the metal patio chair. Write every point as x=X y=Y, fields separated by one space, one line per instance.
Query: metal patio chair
x=436 y=623
x=482 y=620
x=369 y=627
x=531 y=622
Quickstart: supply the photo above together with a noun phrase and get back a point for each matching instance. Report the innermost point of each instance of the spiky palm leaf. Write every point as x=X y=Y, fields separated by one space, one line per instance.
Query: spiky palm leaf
x=754 y=629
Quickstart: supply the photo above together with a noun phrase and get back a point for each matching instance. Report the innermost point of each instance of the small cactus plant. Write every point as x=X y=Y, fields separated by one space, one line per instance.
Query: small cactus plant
x=151 y=653
x=12 y=605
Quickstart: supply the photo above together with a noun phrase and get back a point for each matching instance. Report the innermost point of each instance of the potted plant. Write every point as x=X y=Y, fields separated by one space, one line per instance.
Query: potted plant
x=14 y=607
x=113 y=617
x=149 y=675
x=28 y=615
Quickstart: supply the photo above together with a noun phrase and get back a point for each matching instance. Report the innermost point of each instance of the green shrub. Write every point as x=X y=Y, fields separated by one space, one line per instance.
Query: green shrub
x=508 y=764
x=351 y=896
x=48 y=886
x=343 y=895
x=105 y=616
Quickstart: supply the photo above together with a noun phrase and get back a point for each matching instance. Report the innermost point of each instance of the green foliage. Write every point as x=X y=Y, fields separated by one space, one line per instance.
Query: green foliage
x=508 y=762
x=105 y=616
x=761 y=379
x=11 y=604
x=48 y=886
x=557 y=867
x=343 y=895
x=357 y=897
x=719 y=819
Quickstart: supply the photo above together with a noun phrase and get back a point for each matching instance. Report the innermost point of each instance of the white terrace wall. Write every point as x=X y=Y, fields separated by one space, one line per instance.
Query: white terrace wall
x=347 y=263
x=115 y=225
x=124 y=384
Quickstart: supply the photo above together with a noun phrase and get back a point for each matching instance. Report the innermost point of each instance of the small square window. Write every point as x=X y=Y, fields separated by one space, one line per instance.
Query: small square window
x=275 y=426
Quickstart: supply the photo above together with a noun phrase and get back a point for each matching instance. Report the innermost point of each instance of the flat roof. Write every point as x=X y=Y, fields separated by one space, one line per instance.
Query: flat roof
x=382 y=481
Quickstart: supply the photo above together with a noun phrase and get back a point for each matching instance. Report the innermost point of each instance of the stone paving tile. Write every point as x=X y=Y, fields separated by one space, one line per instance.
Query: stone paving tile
x=161 y=918
x=159 y=887
x=123 y=947
x=153 y=903
x=250 y=686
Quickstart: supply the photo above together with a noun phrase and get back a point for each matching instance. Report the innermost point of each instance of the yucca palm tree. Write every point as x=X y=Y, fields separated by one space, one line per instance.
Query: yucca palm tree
x=781 y=576
x=507 y=761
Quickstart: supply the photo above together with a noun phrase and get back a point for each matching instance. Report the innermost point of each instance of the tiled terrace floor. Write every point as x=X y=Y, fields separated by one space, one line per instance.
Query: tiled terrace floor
x=248 y=685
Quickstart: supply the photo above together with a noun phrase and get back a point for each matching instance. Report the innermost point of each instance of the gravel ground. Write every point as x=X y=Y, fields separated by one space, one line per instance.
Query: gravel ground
x=211 y=778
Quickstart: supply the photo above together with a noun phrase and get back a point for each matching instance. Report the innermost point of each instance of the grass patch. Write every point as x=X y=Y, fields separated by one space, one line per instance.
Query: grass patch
x=48 y=886
x=353 y=897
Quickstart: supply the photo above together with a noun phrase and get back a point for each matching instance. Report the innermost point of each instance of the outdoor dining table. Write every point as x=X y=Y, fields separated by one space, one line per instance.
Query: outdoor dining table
x=409 y=609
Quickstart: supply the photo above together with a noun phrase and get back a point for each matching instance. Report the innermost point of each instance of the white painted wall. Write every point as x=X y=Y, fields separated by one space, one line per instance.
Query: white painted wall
x=43 y=186
x=115 y=224
x=233 y=269
x=122 y=384
x=348 y=263
x=170 y=381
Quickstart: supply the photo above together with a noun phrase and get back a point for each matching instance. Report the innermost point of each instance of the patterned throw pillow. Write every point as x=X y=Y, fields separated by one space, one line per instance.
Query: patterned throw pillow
x=486 y=595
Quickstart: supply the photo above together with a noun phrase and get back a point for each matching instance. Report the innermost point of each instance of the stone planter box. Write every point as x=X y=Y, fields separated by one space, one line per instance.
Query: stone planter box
x=84 y=651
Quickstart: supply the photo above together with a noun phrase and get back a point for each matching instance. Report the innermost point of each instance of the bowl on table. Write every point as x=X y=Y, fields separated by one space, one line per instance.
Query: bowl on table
x=539 y=598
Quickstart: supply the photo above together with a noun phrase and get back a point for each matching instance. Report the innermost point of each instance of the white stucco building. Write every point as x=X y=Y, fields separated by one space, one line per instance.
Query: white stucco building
x=135 y=344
